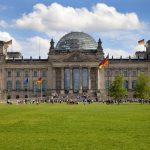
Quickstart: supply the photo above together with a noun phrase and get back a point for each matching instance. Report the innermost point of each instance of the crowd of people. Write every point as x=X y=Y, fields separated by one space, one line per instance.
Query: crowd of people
x=76 y=99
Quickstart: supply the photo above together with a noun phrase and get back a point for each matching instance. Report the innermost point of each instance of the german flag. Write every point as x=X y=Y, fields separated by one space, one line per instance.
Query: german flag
x=104 y=62
x=39 y=81
x=141 y=42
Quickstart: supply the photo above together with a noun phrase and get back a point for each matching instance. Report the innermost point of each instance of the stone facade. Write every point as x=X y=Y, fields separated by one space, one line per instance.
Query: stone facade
x=67 y=71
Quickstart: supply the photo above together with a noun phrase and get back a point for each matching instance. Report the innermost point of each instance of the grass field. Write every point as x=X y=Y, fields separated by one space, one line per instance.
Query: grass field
x=75 y=127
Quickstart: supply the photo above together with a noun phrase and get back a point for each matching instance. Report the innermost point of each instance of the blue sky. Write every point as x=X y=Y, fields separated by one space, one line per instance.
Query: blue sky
x=130 y=23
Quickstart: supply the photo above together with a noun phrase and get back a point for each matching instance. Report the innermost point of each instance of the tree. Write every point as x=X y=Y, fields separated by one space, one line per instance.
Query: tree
x=116 y=89
x=142 y=88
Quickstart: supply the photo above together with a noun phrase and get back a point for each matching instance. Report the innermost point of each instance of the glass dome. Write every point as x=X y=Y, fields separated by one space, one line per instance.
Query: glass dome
x=76 y=41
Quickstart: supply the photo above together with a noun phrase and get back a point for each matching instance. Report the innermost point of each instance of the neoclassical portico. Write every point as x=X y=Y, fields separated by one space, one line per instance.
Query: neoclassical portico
x=75 y=62
x=77 y=79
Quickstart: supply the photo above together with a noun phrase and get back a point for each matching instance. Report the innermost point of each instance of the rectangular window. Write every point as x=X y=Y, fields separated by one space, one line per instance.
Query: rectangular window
x=107 y=73
x=9 y=85
x=125 y=73
x=26 y=85
x=44 y=73
x=35 y=73
x=126 y=84
x=116 y=72
x=18 y=85
x=9 y=73
x=106 y=84
x=133 y=84
x=17 y=74
x=134 y=73
x=26 y=74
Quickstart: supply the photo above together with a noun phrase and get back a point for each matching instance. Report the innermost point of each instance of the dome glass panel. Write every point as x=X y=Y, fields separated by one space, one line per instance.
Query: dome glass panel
x=76 y=41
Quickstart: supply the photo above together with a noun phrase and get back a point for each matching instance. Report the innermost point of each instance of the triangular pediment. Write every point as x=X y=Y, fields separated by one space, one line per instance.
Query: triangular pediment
x=78 y=57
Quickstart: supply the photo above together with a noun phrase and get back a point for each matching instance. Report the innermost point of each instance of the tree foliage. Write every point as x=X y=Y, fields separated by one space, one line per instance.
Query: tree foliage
x=142 y=89
x=116 y=89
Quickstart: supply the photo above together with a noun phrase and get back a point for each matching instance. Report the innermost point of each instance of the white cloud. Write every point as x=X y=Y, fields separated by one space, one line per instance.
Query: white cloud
x=35 y=47
x=5 y=36
x=56 y=18
x=3 y=24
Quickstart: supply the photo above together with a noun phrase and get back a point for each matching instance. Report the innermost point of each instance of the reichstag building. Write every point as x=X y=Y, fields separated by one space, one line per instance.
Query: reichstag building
x=70 y=68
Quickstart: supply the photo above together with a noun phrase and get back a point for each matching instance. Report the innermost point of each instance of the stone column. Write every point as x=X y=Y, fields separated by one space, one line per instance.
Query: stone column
x=13 y=79
x=49 y=80
x=1 y=84
x=32 y=81
x=62 y=80
x=89 y=78
x=22 y=78
x=98 y=79
x=12 y=92
x=4 y=84
x=30 y=84
x=71 y=75
x=129 y=79
x=129 y=83
x=54 y=80
x=102 y=82
x=80 y=79
x=4 y=79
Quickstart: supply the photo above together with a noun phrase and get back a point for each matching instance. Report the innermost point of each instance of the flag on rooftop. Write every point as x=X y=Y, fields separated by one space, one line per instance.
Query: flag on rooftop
x=141 y=42
x=104 y=62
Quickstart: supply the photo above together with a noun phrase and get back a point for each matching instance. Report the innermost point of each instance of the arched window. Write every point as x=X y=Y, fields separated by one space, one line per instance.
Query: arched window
x=9 y=85
x=18 y=85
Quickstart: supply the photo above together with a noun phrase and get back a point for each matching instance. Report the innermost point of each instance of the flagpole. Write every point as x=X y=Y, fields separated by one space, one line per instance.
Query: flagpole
x=108 y=78
x=34 y=89
x=41 y=90
x=28 y=89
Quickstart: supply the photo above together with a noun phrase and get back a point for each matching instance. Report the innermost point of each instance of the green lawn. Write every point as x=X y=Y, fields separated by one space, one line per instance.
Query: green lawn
x=75 y=127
